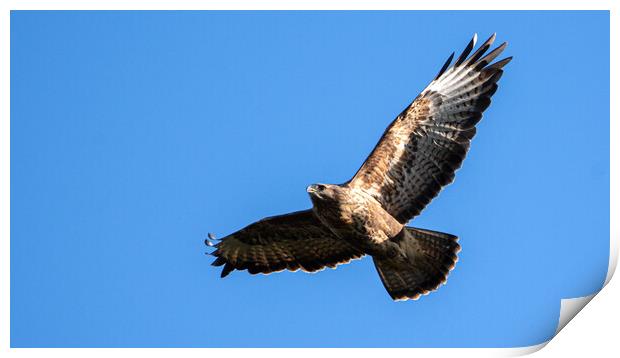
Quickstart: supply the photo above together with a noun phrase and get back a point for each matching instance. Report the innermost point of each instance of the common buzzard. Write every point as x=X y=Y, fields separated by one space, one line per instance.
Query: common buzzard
x=416 y=156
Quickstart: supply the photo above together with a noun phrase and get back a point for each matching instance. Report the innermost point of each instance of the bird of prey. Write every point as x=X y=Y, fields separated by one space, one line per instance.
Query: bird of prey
x=415 y=158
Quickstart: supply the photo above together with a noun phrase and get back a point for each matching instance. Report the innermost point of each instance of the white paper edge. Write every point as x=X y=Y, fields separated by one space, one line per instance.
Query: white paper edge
x=570 y=307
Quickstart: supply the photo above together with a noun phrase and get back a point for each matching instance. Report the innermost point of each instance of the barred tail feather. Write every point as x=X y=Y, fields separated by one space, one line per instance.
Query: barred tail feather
x=431 y=255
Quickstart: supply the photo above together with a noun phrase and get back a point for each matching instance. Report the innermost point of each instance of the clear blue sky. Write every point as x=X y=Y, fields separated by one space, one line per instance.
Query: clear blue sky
x=133 y=134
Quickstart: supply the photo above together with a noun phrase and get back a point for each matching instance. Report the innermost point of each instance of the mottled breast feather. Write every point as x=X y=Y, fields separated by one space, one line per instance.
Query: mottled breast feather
x=423 y=147
x=293 y=241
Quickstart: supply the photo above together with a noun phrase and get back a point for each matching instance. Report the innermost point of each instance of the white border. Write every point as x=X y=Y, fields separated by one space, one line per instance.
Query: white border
x=607 y=315
x=306 y=5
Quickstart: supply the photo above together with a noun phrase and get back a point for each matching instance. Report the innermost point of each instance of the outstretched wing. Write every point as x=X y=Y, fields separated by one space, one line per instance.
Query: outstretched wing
x=420 y=151
x=292 y=241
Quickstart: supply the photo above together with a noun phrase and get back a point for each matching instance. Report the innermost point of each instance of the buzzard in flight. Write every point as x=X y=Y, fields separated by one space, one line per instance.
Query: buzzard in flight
x=416 y=156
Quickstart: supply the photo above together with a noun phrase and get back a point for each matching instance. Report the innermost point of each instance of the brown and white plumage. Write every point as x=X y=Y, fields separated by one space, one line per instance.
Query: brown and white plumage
x=415 y=158
x=293 y=241
x=423 y=147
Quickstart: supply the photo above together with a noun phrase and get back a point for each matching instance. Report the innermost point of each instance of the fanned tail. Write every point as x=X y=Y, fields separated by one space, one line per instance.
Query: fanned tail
x=431 y=256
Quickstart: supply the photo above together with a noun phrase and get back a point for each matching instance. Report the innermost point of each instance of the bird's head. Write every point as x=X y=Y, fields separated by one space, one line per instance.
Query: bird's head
x=322 y=192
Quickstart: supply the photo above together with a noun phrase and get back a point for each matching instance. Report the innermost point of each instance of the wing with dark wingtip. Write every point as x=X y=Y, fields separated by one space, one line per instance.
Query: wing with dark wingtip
x=293 y=241
x=424 y=146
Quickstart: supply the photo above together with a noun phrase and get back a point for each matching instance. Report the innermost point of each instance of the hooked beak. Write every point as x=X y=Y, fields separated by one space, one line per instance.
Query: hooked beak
x=311 y=189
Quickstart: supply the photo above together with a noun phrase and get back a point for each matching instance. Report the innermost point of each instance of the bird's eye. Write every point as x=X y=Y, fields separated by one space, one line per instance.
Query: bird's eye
x=320 y=187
